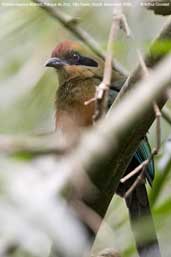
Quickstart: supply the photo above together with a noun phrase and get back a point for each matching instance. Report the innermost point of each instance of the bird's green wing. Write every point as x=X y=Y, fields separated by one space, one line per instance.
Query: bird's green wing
x=143 y=153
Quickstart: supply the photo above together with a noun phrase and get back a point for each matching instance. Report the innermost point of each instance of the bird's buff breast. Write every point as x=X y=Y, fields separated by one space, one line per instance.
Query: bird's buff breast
x=72 y=114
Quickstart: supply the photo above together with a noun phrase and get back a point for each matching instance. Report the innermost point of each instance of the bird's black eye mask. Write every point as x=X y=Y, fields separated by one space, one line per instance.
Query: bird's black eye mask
x=74 y=58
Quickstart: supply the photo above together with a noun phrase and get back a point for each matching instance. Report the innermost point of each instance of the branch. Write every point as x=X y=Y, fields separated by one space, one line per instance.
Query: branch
x=81 y=34
x=106 y=150
x=52 y=144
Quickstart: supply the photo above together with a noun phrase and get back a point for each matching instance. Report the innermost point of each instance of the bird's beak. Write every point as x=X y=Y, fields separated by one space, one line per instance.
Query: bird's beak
x=55 y=62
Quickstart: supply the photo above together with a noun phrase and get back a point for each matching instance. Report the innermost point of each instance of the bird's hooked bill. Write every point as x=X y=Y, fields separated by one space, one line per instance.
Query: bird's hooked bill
x=55 y=62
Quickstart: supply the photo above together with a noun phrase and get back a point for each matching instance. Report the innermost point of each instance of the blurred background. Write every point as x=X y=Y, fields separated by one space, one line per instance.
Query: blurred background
x=27 y=93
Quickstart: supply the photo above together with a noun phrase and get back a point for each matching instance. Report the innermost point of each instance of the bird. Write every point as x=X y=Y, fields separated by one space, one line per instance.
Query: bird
x=80 y=72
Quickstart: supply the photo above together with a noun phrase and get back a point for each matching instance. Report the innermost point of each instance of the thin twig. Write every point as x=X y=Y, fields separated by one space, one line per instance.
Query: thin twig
x=139 y=179
x=139 y=167
x=134 y=172
x=136 y=183
x=101 y=96
x=103 y=88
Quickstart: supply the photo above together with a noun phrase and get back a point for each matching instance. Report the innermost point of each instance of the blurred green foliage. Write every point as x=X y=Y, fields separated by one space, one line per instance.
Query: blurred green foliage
x=27 y=92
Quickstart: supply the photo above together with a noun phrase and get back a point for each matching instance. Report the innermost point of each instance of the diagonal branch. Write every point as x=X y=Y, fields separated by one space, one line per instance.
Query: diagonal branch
x=105 y=152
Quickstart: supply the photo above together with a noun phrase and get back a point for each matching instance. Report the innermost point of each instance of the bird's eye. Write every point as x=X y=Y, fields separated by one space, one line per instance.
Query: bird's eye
x=76 y=56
